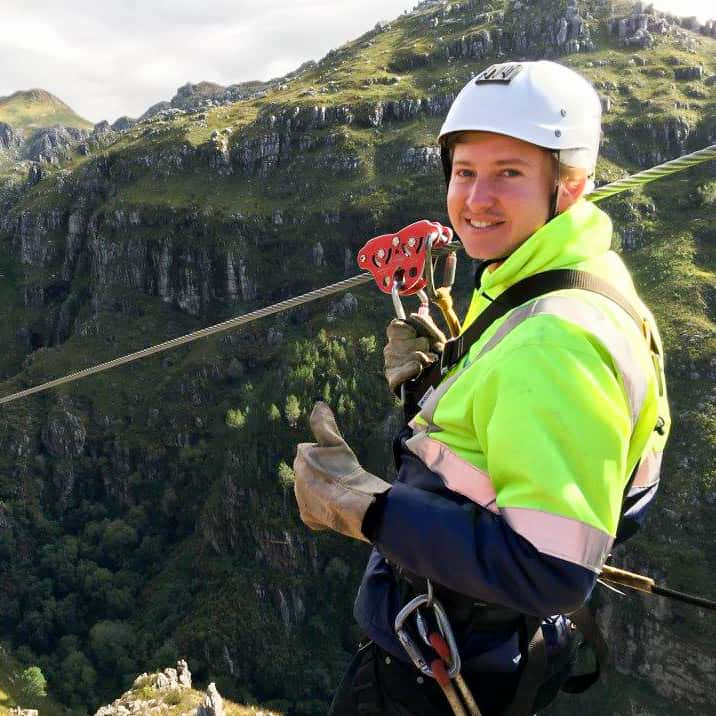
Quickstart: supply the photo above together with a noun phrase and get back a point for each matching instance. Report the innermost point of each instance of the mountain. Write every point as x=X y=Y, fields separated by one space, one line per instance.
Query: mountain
x=147 y=513
x=36 y=108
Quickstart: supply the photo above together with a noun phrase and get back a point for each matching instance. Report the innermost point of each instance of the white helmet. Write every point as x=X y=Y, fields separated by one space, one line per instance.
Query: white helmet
x=543 y=103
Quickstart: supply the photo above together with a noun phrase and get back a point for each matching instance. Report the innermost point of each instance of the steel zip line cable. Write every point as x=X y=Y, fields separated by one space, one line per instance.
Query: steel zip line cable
x=202 y=333
x=648 y=175
x=662 y=170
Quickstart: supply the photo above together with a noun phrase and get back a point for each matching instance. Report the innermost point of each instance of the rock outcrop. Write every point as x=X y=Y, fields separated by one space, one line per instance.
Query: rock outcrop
x=10 y=139
x=53 y=144
x=163 y=683
x=64 y=434
x=213 y=704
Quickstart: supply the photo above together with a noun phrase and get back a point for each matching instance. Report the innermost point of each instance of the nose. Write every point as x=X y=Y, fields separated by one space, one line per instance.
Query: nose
x=480 y=195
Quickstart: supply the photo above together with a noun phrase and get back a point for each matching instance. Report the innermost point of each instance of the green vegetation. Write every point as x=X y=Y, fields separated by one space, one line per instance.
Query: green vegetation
x=33 y=683
x=24 y=688
x=33 y=109
x=171 y=530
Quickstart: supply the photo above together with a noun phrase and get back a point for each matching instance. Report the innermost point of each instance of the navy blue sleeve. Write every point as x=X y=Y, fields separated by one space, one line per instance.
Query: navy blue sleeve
x=473 y=551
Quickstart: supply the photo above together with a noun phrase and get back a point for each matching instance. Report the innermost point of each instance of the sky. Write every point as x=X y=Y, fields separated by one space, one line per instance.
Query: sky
x=118 y=57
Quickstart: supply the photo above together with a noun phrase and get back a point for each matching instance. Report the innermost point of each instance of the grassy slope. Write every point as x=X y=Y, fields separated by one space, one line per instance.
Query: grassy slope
x=34 y=109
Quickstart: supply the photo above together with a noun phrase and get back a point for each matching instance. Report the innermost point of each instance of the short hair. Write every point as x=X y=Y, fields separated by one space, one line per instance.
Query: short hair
x=566 y=171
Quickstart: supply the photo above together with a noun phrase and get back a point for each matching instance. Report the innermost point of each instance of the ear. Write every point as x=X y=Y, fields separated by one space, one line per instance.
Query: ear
x=570 y=191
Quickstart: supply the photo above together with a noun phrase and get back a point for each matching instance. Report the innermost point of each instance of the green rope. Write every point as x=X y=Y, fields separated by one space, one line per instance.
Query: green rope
x=657 y=172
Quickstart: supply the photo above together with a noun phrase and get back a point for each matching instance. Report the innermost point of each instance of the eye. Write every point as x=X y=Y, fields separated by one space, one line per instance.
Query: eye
x=464 y=173
x=511 y=173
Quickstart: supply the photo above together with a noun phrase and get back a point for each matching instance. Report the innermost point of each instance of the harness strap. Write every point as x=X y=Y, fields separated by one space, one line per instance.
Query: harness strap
x=519 y=293
x=533 y=671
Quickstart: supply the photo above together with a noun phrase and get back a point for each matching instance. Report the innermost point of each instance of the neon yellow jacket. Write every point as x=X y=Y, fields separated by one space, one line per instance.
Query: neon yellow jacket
x=546 y=418
x=510 y=488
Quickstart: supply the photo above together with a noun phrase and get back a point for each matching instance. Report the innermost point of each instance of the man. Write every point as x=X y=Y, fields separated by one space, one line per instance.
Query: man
x=538 y=449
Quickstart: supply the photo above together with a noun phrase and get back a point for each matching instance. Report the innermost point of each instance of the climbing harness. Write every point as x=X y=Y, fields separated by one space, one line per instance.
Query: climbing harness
x=419 y=389
x=436 y=633
x=667 y=168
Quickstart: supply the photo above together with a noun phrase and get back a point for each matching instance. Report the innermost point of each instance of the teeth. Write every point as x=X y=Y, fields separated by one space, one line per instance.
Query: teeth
x=482 y=224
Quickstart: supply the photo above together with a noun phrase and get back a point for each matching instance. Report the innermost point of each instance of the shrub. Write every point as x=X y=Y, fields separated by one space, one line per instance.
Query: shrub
x=707 y=193
x=34 y=684
x=173 y=697
x=292 y=410
x=286 y=475
x=235 y=418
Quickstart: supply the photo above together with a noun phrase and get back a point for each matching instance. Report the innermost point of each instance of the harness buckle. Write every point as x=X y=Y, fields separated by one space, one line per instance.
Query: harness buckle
x=452 y=348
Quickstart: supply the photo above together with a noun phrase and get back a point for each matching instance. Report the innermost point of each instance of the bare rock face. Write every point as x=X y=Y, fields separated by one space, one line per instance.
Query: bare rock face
x=213 y=704
x=123 y=124
x=10 y=138
x=346 y=306
x=154 y=110
x=689 y=73
x=54 y=144
x=64 y=435
x=639 y=28
x=5 y=519
x=183 y=674
x=420 y=160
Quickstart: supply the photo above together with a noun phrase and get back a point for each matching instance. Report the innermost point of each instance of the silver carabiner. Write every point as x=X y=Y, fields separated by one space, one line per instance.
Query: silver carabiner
x=444 y=627
x=398 y=304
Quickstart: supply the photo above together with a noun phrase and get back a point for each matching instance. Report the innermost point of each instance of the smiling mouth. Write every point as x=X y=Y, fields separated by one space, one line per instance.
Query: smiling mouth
x=484 y=224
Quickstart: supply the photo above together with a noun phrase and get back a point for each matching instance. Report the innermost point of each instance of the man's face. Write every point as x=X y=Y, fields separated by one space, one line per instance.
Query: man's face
x=500 y=193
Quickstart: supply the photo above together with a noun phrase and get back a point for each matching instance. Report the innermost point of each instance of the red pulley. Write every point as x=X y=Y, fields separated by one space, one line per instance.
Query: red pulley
x=400 y=257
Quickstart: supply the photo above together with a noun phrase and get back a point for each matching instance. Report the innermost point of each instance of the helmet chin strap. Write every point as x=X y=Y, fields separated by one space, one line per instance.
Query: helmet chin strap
x=555 y=194
x=446 y=162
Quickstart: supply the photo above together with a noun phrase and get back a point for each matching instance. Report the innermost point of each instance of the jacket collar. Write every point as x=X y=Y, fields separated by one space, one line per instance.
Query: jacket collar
x=578 y=234
x=571 y=238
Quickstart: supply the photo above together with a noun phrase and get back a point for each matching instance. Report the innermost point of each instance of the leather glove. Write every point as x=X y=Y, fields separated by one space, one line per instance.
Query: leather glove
x=412 y=345
x=332 y=490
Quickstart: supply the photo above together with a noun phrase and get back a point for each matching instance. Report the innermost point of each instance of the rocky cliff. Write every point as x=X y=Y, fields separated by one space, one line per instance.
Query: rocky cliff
x=148 y=513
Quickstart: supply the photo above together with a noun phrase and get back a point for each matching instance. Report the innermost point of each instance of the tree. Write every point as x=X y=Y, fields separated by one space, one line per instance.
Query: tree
x=368 y=345
x=293 y=410
x=274 y=414
x=235 y=418
x=34 y=684
x=286 y=475
x=113 y=644
x=77 y=678
x=326 y=393
x=118 y=541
